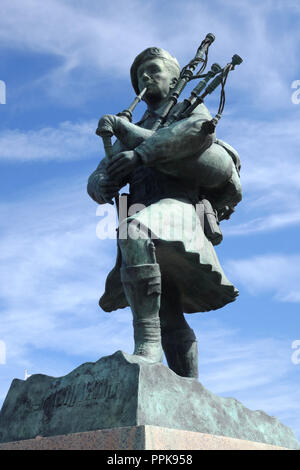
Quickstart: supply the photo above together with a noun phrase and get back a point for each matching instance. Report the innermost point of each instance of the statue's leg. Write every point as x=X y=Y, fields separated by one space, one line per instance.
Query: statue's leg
x=141 y=280
x=178 y=339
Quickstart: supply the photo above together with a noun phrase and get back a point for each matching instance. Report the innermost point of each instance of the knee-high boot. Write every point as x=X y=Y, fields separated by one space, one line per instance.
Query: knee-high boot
x=142 y=286
x=180 y=348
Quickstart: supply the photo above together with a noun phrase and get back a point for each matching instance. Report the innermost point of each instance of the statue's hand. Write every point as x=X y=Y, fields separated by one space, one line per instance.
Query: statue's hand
x=108 y=190
x=106 y=125
x=102 y=189
x=122 y=164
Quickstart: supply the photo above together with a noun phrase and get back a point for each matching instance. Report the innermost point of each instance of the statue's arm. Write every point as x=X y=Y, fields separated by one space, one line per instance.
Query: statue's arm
x=178 y=141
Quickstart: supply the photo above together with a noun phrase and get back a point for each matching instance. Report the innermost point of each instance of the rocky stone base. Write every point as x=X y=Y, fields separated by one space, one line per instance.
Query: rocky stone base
x=137 y=438
x=123 y=390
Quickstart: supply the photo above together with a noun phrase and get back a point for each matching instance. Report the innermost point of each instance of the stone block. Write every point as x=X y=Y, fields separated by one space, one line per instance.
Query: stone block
x=137 y=438
x=123 y=390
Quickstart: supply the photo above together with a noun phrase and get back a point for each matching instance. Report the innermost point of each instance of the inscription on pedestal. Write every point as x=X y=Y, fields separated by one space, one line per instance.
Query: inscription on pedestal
x=80 y=393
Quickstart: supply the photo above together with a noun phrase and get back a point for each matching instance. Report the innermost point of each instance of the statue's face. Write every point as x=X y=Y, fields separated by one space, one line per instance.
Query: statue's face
x=157 y=77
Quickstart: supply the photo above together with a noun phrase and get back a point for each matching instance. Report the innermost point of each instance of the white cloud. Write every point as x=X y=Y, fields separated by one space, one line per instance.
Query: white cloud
x=256 y=371
x=264 y=224
x=81 y=35
x=105 y=36
x=231 y=366
x=277 y=274
x=269 y=150
x=53 y=269
x=270 y=174
x=65 y=142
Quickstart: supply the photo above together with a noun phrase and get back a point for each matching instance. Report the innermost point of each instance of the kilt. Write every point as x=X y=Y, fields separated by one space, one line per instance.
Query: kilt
x=184 y=254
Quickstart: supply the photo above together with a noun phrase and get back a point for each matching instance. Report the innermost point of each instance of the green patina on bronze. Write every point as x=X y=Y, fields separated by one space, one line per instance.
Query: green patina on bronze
x=125 y=390
x=173 y=163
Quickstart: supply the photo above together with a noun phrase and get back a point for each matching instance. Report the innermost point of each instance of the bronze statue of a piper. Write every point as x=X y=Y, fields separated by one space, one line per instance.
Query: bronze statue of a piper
x=183 y=181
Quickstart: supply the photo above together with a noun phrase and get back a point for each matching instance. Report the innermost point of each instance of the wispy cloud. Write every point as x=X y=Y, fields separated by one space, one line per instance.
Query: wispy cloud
x=256 y=371
x=230 y=366
x=282 y=280
x=269 y=150
x=270 y=176
x=67 y=141
x=92 y=37
x=53 y=269
x=264 y=224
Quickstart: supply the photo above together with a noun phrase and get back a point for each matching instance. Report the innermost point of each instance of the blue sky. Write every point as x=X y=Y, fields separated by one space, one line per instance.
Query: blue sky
x=65 y=64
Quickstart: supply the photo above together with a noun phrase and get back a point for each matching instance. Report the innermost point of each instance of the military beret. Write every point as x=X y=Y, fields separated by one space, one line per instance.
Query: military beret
x=148 y=54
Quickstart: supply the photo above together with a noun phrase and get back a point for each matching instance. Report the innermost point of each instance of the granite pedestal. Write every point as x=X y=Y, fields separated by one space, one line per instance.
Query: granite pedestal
x=137 y=438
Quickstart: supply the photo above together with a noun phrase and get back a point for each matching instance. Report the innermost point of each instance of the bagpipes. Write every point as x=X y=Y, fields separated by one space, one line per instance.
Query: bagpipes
x=216 y=77
x=217 y=73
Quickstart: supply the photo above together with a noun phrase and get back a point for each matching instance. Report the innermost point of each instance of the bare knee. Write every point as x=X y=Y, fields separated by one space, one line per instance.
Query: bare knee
x=135 y=245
